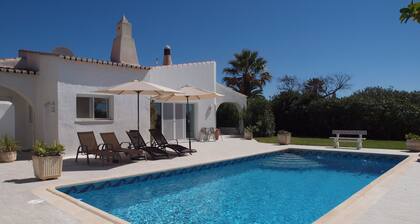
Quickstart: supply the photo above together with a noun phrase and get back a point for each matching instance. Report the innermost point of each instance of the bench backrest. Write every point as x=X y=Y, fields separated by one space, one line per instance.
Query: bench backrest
x=349 y=132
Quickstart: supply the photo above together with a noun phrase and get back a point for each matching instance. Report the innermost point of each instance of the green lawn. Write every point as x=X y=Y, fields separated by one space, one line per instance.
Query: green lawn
x=381 y=144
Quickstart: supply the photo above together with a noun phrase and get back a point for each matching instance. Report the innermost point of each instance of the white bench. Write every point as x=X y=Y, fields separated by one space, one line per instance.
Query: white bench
x=347 y=133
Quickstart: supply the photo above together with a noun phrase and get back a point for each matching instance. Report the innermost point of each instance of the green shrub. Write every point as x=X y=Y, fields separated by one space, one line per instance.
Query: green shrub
x=42 y=149
x=251 y=128
x=385 y=113
x=8 y=144
x=282 y=132
x=227 y=115
x=258 y=114
x=412 y=136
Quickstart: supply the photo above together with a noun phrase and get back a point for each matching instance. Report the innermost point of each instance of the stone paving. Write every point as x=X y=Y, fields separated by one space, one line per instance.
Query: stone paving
x=24 y=199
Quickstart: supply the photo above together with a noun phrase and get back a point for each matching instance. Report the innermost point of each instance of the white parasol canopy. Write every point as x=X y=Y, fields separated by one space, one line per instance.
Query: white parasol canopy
x=142 y=87
x=190 y=92
x=139 y=88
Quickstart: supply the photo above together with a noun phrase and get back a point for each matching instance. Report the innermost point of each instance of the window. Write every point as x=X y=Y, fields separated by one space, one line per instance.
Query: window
x=170 y=118
x=93 y=107
x=101 y=108
x=83 y=107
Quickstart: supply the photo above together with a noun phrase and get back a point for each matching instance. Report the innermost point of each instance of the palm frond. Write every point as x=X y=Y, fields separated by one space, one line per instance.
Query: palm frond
x=247 y=73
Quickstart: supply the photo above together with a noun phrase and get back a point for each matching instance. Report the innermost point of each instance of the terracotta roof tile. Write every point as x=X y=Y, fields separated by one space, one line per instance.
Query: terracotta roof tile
x=89 y=60
x=18 y=71
x=182 y=65
x=97 y=61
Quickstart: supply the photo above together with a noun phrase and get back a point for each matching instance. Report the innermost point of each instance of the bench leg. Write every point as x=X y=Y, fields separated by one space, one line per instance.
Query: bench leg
x=359 y=144
x=336 y=144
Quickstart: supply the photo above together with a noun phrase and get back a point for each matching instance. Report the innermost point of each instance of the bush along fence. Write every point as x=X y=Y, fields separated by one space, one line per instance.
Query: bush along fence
x=384 y=113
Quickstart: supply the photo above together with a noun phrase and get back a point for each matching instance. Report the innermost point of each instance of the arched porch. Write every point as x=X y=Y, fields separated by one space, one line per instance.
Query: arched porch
x=228 y=118
x=16 y=108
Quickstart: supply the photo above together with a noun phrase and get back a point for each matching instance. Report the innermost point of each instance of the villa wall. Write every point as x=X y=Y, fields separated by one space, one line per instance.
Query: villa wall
x=45 y=107
x=86 y=78
x=201 y=75
x=52 y=93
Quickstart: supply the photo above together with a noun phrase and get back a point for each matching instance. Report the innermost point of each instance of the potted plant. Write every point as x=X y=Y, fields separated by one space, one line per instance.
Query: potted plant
x=47 y=160
x=249 y=132
x=412 y=142
x=284 y=137
x=8 y=149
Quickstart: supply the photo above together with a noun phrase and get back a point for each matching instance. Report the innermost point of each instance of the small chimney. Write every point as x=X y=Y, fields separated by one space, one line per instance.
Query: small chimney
x=167 y=60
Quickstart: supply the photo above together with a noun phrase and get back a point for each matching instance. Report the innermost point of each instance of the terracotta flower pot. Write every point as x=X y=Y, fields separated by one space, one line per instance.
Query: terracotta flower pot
x=48 y=167
x=6 y=157
x=413 y=145
x=284 y=138
x=217 y=133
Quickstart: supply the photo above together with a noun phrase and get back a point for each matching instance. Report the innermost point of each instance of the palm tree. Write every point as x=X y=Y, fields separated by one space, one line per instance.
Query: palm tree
x=247 y=73
x=412 y=11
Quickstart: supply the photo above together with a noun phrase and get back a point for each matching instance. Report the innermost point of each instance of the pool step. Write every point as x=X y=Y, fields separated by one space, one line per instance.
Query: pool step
x=290 y=161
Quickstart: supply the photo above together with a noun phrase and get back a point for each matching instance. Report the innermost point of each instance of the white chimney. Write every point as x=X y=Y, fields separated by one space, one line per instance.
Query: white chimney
x=124 y=47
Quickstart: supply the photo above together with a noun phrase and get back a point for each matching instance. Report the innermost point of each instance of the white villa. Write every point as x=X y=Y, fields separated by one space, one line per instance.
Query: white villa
x=51 y=95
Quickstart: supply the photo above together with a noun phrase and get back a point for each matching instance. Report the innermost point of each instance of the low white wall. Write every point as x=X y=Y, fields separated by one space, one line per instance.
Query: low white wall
x=7 y=119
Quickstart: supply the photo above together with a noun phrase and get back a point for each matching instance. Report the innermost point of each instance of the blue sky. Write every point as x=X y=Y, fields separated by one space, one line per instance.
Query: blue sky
x=304 y=38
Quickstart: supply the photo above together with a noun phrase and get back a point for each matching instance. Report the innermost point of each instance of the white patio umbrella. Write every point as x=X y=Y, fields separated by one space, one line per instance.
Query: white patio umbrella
x=188 y=93
x=139 y=88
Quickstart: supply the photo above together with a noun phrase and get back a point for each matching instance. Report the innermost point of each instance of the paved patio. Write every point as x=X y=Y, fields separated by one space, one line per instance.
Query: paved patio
x=24 y=199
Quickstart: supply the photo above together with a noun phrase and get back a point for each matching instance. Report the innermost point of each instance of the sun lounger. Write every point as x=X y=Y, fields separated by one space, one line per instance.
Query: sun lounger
x=89 y=146
x=162 y=143
x=111 y=142
x=138 y=142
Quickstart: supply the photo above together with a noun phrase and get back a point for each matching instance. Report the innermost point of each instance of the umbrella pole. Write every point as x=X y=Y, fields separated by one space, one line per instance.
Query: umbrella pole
x=138 y=110
x=188 y=122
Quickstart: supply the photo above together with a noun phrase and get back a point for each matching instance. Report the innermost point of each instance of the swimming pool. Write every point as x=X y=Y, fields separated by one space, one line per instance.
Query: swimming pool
x=293 y=186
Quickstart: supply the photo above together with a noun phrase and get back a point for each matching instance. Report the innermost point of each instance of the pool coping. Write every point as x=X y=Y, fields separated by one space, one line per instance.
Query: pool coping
x=354 y=206
x=90 y=212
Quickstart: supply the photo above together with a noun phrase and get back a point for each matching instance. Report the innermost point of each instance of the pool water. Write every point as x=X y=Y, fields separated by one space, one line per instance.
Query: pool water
x=296 y=186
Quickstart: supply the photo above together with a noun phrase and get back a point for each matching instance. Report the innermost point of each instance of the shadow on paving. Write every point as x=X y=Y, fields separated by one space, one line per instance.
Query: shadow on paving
x=408 y=151
x=22 y=181
x=69 y=164
x=24 y=155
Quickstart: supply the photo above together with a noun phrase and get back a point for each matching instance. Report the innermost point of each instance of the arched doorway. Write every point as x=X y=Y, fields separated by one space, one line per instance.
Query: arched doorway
x=228 y=118
x=16 y=117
